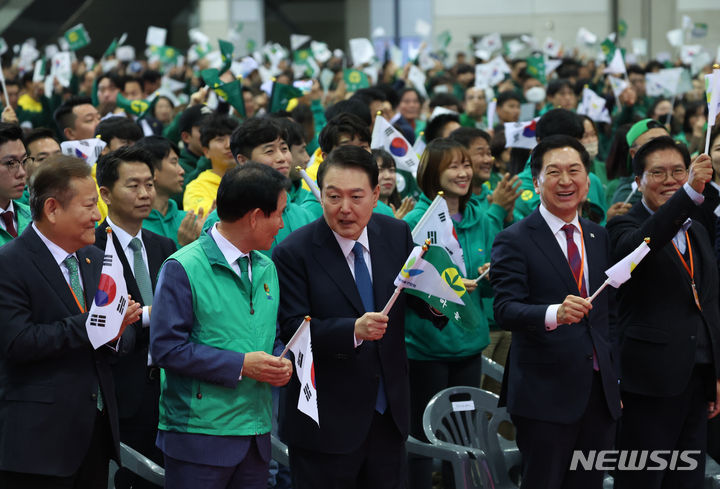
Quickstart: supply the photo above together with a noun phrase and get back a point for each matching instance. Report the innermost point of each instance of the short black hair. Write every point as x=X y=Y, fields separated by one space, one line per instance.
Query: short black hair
x=107 y=165
x=254 y=132
x=193 y=117
x=158 y=147
x=11 y=81
x=294 y=135
x=10 y=132
x=369 y=95
x=507 y=95
x=466 y=135
x=118 y=127
x=559 y=121
x=444 y=100
x=349 y=157
x=114 y=78
x=555 y=142
x=132 y=79
x=350 y=106
x=434 y=128
x=39 y=133
x=558 y=84
x=247 y=187
x=349 y=124
x=64 y=116
x=637 y=69
x=151 y=76
x=658 y=144
x=214 y=126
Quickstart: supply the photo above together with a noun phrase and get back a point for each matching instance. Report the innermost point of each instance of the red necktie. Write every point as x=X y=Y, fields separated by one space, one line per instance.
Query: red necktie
x=574 y=258
x=7 y=217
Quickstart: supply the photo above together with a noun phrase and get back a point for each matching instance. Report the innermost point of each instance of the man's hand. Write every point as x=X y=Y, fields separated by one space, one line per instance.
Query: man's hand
x=618 y=209
x=133 y=313
x=714 y=407
x=199 y=97
x=701 y=171
x=573 y=309
x=407 y=204
x=9 y=115
x=506 y=192
x=628 y=97
x=371 y=326
x=266 y=368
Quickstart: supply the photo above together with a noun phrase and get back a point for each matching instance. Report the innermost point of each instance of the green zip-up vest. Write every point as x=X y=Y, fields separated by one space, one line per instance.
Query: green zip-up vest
x=222 y=319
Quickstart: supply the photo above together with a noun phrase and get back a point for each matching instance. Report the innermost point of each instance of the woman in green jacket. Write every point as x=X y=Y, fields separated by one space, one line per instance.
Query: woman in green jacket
x=443 y=353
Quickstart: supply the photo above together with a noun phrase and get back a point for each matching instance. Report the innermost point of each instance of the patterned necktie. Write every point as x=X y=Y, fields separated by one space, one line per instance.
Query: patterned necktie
x=364 y=287
x=140 y=270
x=574 y=258
x=243 y=262
x=7 y=218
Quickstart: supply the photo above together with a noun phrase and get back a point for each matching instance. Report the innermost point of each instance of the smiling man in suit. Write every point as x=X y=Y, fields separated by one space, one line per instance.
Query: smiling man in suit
x=125 y=177
x=58 y=413
x=340 y=269
x=561 y=383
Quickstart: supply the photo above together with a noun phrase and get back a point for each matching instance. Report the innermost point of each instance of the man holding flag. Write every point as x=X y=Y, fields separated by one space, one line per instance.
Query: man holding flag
x=561 y=380
x=669 y=324
x=339 y=270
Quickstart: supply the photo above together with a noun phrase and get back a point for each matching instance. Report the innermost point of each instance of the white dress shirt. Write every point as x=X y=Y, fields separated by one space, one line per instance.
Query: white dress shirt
x=59 y=255
x=346 y=246
x=679 y=238
x=230 y=252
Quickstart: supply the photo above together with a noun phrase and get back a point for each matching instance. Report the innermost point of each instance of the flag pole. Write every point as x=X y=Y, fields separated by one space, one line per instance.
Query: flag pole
x=428 y=213
x=399 y=288
x=310 y=182
x=715 y=74
x=482 y=275
x=2 y=79
x=597 y=292
x=627 y=199
x=287 y=347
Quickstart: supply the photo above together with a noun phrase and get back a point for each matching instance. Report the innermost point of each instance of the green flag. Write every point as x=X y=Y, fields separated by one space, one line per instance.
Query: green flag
x=699 y=30
x=111 y=48
x=167 y=54
x=608 y=48
x=444 y=39
x=536 y=67
x=230 y=92
x=622 y=28
x=140 y=108
x=226 y=52
x=434 y=278
x=355 y=79
x=281 y=96
x=77 y=37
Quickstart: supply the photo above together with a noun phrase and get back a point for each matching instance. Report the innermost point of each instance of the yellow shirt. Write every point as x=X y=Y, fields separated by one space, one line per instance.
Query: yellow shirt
x=201 y=192
x=101 y=205
x=29 y=104
x=312 y=168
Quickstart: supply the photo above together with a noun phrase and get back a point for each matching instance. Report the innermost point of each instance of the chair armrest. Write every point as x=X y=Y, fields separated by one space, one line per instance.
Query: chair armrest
x=139 y=464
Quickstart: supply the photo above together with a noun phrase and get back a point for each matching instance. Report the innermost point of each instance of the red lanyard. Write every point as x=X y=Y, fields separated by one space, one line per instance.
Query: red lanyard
x=689 y=269
x=581 y=278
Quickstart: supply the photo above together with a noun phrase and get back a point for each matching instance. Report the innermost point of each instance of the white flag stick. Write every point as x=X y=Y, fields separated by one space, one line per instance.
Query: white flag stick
x=707 y=138
x=482 y=275
x=310 y=182
x=605 y=284
x=627 y=199
x=4 y=89
x=295 y=337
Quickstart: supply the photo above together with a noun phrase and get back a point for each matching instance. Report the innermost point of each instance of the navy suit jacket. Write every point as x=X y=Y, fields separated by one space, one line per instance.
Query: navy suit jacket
x=315 y=280
x=549 y=374
x=49 y=372
x=130 y=371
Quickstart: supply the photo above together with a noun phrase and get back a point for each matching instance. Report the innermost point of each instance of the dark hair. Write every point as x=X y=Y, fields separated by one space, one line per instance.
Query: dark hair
x=584 y=118
x=107 y=165
x=714 y=134
x=132 y=79
x=214 y=126
x=293 y=132
x=11 y=81
x=518 y=160
x=113 y=77
x=656 y=102
x=466 y=135
x=658 y=144
x=559 y=121
x=349 y=157
x=349 y=124
x=463 y=68
x=351 y=106
x=637 y=69
x=39 y=133
x=497 y=143
x=390 y=94
x=555 y=142
x=158 y=148
x=10 y=132
x=507 y=95
x=690 y=109
x=151 y=76
x=434 y=128
x=254 y=132
x=64 y=116
x=387 y=162
x=437 y=157
x=616 y=163
x=558 y=84
x=247 y=187
x=410 y=89
x=369 y=95
x=118 y=127
x=444 y=100
x=52 y=179
x=193 y=117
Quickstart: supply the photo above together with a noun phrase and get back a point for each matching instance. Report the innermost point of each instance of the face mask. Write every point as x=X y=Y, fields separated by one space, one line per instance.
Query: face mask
x=535 y=95
x=592 y=149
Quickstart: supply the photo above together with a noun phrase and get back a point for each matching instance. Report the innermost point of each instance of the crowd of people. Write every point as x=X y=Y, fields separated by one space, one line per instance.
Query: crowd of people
x=225 y=249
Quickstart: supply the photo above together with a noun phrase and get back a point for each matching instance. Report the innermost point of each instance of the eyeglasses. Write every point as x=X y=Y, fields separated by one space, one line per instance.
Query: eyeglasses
x=13 y=165
x=659 y=176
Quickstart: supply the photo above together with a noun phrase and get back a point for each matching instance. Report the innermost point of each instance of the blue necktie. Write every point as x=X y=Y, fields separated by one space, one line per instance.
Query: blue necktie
x=364 y=286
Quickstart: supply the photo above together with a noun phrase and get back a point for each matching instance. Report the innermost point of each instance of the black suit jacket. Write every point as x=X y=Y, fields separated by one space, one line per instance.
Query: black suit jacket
x=49 y=372
x=549 y=374
x=315 y=280
x=130 y=371
x=658 y=318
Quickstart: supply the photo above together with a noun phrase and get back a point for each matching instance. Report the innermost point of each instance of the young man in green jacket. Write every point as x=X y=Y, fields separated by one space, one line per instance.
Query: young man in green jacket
x=14 y=216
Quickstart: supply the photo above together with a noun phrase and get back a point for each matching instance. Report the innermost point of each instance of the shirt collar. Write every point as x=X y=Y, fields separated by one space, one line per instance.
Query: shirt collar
x=10 y=207
x=554 y=222
x=229 y=250
x=123 y=236
x=346 y=245
x=57 y=252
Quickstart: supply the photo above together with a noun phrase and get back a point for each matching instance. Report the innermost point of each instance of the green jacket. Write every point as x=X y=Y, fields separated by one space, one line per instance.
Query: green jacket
x=623 y=190
x=166 y=225
x=220 y=304
x=305 y=199
x=476 y=232
x=24 y=219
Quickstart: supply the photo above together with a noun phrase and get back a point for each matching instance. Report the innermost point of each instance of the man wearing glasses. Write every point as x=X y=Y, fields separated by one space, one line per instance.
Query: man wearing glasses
x=669 y=323
x=14 y=216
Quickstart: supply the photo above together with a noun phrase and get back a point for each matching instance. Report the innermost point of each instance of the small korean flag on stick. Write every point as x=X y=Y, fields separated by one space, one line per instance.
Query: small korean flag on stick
x=301 y=346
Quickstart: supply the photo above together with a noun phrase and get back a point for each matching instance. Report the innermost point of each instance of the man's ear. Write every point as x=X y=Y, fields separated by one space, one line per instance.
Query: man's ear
x=105 y=195
x=241 y=159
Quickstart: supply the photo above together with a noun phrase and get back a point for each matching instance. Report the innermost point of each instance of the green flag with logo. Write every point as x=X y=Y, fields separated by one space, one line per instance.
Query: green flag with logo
x=444 y=39
x=622 y=28
x=281 y=96
x=226 y=52
x=139 y=108
x=536 y=67
x=166 y=54
x=355 y=79
x=608 y=48
x=77 y=37
x=230 y=92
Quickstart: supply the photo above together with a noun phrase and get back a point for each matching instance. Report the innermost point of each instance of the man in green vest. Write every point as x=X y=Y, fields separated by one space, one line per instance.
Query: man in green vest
x=14 y=216
x=212 y=331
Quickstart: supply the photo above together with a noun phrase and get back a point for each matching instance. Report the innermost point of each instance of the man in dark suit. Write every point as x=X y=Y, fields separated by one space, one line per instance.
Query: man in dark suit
x=339 y=269
x=125 y=177
x=560 y=384
x=58 y=413
x=669 y=323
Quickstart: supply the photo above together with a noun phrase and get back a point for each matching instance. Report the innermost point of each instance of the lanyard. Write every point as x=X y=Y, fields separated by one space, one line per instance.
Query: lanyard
x=581 y=278
x=82 y=309
x=689 y=269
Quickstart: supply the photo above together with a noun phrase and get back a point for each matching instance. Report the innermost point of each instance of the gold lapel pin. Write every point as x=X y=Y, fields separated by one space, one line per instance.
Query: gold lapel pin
x=87 y=260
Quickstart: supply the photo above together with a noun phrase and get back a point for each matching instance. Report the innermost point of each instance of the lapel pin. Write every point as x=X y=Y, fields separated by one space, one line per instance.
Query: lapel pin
x=267 y=291
x=592 y=235
x=87 y=260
